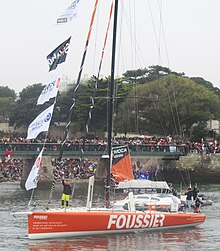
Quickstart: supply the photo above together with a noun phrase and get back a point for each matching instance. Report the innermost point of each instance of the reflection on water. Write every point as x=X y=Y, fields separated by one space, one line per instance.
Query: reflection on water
x=13 y=231
x=141 y=241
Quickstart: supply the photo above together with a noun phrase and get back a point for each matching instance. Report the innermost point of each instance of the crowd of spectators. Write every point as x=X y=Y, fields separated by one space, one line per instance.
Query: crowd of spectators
x=136 y=144
x=12 y=168
x=70 y=168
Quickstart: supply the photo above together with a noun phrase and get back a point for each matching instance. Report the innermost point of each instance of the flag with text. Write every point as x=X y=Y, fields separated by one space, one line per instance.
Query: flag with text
x=50 y=90
x=32 y=179
x=68 y=14
x=58 y=55
x=41 y=123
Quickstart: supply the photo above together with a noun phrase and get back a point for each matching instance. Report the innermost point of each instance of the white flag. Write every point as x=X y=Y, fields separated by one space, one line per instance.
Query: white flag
x=50 y=90
x=41 y=123
x=32 y=179
x=68 y=14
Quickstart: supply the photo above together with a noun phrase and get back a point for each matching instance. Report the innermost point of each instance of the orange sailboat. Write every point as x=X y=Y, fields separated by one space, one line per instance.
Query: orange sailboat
x=58 y=223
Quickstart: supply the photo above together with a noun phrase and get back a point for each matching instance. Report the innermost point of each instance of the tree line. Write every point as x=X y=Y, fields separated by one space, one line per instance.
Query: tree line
x=152 y=100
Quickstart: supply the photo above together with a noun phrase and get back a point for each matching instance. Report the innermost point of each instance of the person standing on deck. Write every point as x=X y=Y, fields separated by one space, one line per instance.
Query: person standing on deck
x=195 y=193
x=189 y=198
x=67 y=191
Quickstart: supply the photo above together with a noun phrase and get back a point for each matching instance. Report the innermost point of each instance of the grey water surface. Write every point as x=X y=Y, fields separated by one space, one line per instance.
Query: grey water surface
x=13 y=231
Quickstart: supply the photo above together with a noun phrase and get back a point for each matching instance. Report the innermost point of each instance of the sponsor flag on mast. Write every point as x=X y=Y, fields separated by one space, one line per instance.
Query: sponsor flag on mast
x=121 y=164
x=58 y=55
x=68 y=14
x=32 y=179
x=41 y=123
x=50 y=90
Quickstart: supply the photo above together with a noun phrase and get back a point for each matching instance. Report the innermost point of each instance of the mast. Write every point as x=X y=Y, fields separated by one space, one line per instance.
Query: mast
x=110 y=106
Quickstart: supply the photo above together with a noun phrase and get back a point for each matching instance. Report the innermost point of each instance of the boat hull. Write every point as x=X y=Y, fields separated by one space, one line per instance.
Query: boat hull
x=50 y=224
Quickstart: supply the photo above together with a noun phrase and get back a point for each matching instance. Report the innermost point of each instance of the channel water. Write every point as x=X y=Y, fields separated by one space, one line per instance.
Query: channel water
x=13 y=230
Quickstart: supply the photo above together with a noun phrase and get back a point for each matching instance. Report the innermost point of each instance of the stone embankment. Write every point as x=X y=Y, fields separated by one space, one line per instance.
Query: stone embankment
x=190 y=169
x=193 y=168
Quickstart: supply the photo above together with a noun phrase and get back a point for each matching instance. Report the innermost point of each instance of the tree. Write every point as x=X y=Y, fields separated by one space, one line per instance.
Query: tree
x=5 y=91
x=199 y=131
x=26 y=109
x=141 y=76
x=181 y=103
x=7 y=101
x=207 y=84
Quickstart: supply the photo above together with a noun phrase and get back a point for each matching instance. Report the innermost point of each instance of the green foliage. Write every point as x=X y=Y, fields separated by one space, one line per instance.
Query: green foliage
x=5 y=91
x=180 y=104
x=198 y=132
x=26 y=109
x=7 y=101
x=207 y=84
x=152 y=100
x=141 y=76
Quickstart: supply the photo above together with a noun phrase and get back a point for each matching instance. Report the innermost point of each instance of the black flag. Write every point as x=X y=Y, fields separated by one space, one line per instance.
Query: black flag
x=58 y=55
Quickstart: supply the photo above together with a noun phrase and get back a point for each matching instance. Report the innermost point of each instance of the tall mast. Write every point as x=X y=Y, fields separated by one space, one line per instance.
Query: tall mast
x=110 y=105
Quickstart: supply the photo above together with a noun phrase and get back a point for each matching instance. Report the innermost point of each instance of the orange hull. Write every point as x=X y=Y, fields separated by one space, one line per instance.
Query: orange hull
x=43 y=225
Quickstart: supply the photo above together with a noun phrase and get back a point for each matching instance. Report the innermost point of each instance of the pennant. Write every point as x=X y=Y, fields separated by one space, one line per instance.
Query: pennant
x=32 y=179
x=121 y=164
x=68 y=14
x=58 y=55
x=41 y=123
x=50 y=90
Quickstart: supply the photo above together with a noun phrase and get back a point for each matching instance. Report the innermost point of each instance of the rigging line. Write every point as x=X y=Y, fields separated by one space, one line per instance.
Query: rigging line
x=176 y=108
x=171 y=108
x=73 y=103
x=165 y=45
x=158 y=42
x=99 y=70
x=155 y=107
x=134 y=40
x=120 y=53
x=160 y=28
x=182 y=178
x=136 y=107
x=188 y=177
x=78 y=81
x=153 y=23
x=95 y=46
x=171 y=78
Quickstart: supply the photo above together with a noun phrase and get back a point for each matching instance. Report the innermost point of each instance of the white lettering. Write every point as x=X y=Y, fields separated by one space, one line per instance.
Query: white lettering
x=139 y=221
x=161 y=219
x=121 y=221
x=122 y=150
x=112 y=220
x=146 y=221
x=40 y=217
x=136 y=221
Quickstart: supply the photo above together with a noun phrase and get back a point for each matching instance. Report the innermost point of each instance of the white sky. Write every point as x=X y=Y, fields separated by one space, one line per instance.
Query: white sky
x=190 y=32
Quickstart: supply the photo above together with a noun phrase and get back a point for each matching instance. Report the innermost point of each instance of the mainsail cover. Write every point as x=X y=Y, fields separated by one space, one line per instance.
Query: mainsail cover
x=121 y=164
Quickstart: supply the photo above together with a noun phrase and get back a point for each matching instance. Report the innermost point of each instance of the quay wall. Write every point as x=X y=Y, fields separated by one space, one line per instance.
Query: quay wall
x=190 y=169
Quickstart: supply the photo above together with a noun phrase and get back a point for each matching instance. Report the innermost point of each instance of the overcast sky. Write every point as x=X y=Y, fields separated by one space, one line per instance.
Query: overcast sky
x=187 y=39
